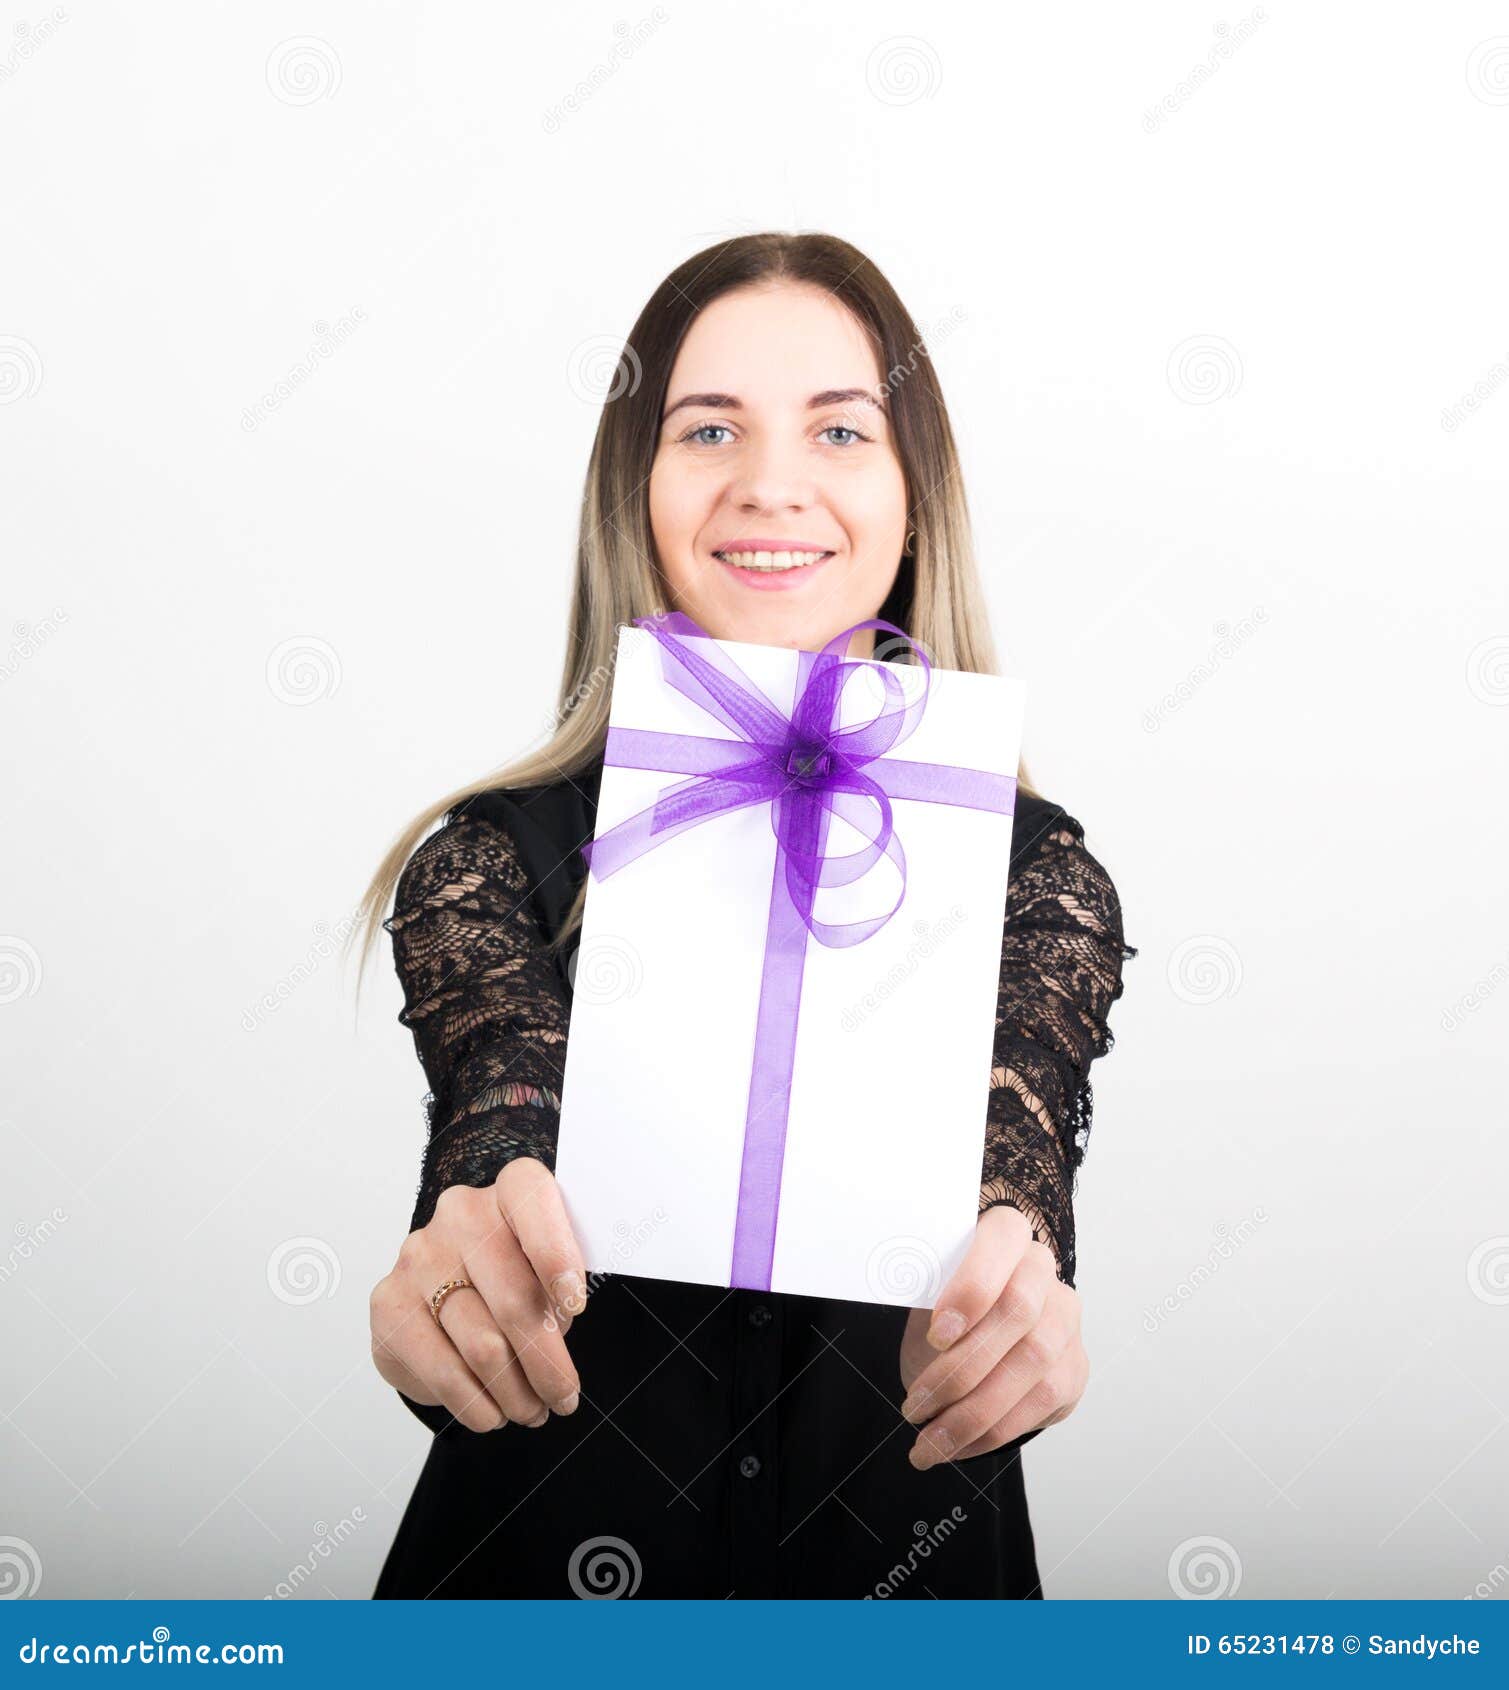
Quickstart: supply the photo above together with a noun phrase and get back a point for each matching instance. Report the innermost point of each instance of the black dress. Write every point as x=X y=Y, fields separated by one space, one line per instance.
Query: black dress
x=728 y=1443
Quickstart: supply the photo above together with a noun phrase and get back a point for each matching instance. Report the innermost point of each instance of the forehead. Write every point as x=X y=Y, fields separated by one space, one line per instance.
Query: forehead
x=775 y=343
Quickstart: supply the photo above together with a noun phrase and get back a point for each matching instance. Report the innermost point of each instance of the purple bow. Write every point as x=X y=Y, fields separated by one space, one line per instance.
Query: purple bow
x=808 y=769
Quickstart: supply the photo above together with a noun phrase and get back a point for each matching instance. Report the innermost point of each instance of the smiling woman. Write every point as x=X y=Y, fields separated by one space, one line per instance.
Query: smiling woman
x=782 y=470
x=763 y=484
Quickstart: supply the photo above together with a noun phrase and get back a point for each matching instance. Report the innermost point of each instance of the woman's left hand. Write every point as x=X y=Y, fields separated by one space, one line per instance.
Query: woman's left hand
x=1008 y=1330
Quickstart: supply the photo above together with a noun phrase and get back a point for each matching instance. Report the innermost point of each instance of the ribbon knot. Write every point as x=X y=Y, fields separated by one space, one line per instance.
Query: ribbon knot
x=807 y=766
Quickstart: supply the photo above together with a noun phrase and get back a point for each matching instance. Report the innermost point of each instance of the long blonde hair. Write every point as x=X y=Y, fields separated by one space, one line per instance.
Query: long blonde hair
x=937 y=597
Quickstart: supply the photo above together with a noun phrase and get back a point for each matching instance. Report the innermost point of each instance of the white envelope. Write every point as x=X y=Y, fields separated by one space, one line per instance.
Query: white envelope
x=880 y=1179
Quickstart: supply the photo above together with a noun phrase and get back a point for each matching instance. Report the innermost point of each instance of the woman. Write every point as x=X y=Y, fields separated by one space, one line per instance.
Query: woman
x=777 y=463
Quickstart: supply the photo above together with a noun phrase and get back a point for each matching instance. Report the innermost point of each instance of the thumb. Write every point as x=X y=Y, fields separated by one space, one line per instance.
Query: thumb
x=1002 y=1235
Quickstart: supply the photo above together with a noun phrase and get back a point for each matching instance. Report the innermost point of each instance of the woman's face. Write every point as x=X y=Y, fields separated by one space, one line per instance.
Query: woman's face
x=777 y=501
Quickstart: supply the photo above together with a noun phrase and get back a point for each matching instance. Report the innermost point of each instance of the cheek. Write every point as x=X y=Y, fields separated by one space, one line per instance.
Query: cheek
x=876 y=519
x=674 y=522
x=875 y=512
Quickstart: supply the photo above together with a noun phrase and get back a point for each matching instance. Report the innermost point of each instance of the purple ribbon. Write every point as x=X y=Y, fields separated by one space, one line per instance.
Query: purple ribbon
x=808 y=769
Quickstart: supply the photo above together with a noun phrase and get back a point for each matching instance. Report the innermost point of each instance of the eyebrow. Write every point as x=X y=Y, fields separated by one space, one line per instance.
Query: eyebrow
x=731 y=401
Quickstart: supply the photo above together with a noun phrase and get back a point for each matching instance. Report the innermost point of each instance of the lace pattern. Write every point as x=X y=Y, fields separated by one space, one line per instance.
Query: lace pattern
x=488 y=1011
x=485 y=1003
x=1061 y=970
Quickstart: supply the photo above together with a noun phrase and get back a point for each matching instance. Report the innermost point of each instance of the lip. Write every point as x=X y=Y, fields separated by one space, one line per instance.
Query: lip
x=760 y=543
x=766 y=581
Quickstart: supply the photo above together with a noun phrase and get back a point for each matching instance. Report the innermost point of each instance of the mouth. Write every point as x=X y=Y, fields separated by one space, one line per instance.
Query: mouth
x=771 y=565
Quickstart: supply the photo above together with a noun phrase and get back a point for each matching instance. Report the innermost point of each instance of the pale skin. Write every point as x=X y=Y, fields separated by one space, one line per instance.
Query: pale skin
x=774 y=428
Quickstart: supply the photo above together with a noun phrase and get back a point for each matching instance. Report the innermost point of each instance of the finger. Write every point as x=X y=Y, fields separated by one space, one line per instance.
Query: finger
x=530 y=1201
x=1012 y=1381
x=1001 y=1237
x=507 y=1283
x=1021 y=1306
x=1062 y=1384
x=393 y=1371
x=411 y=1338
x=490 y=1357
x=385 y=1319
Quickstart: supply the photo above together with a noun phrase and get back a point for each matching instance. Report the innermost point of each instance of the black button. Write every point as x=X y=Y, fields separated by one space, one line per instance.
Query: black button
x=749 y=1466
x=760 y=1315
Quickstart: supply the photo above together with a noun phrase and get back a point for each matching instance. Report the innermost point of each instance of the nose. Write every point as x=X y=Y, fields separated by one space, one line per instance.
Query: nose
x=773 y=475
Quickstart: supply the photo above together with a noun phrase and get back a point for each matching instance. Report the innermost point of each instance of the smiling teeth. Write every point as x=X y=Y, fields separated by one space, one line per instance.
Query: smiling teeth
x=771 y=560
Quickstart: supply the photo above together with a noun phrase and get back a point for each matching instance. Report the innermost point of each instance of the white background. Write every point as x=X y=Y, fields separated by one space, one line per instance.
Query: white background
x=1198 y=366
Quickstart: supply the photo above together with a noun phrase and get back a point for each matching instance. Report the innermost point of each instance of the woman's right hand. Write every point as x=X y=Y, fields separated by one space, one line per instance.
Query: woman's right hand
x=501 y=1355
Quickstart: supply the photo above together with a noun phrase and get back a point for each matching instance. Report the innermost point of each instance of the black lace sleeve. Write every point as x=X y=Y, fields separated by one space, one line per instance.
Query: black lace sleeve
x=1061 y=958
x=485 y=1005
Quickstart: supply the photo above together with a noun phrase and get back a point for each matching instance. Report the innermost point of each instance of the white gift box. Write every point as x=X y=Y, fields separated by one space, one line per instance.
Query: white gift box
x=873 y=1190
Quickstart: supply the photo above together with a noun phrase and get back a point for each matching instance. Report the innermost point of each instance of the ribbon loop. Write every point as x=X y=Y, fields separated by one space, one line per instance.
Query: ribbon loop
x=807 y=757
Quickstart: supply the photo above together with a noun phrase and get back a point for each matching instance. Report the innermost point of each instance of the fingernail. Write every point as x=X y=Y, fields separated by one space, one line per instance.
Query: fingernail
x=570 y=1291
x=544 y=1416
x=945 y=1329
x=915 y=1406
x=567 y=1405
x=933 y=1446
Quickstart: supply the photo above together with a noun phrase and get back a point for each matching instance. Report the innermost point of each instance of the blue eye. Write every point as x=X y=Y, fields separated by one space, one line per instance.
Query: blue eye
x=699 y=434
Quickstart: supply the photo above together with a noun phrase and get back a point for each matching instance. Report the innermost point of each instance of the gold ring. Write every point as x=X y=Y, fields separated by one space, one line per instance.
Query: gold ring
x=441 y=1292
